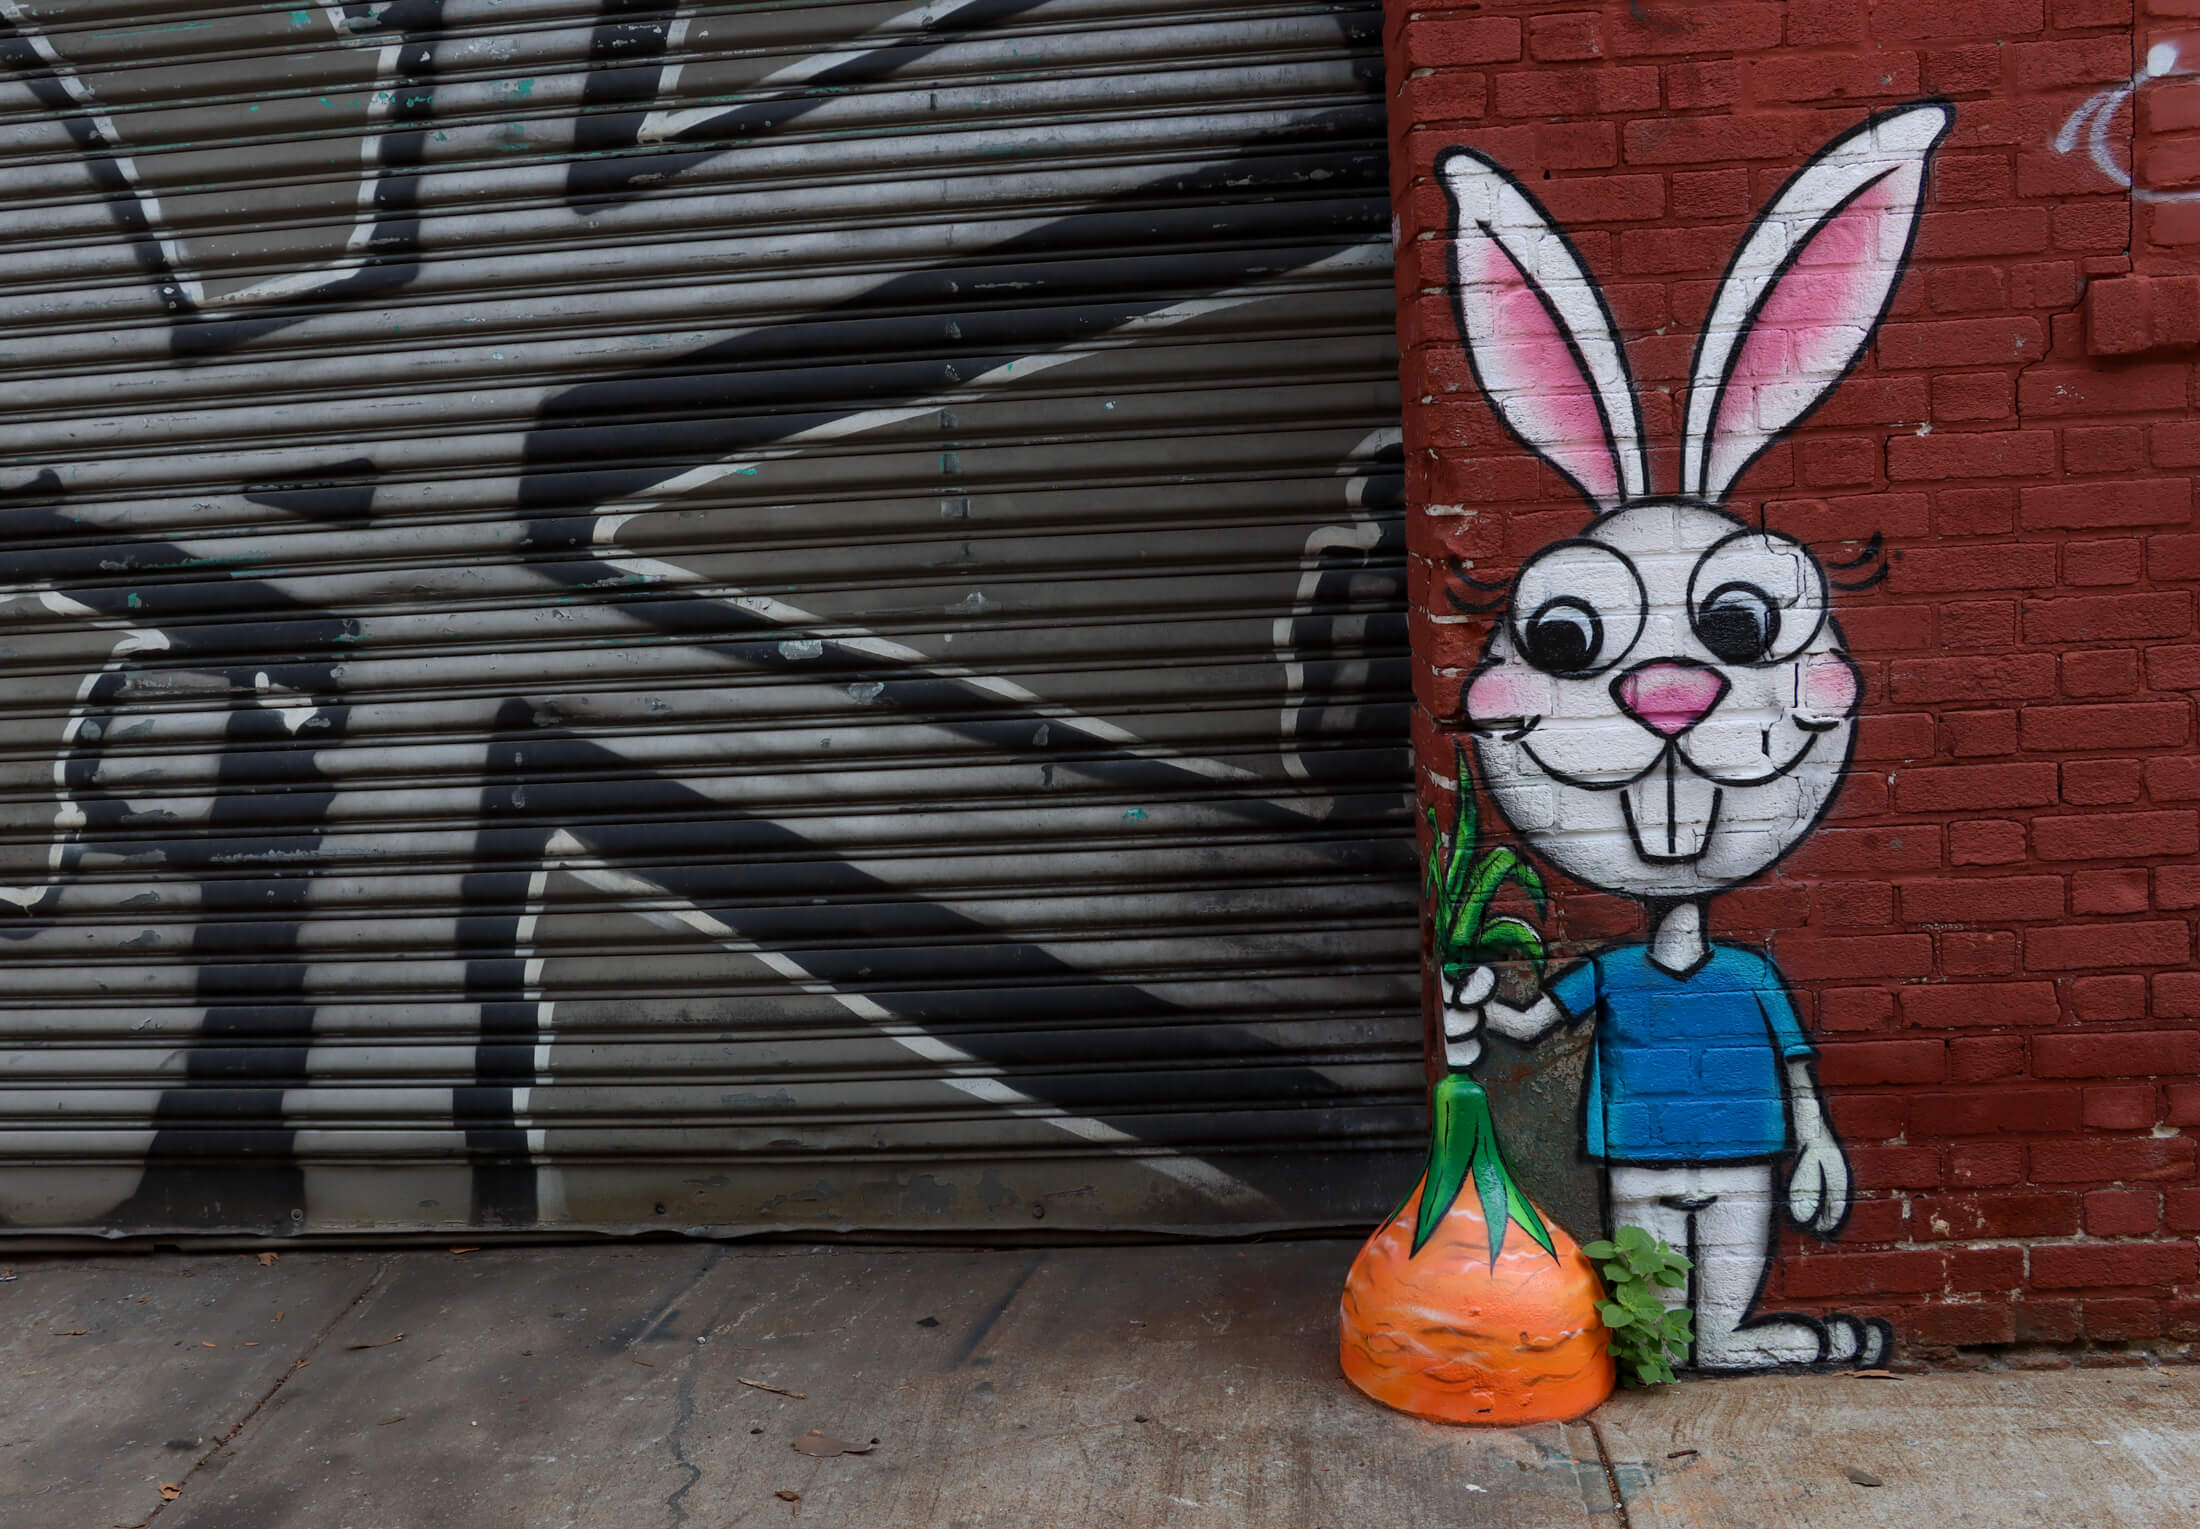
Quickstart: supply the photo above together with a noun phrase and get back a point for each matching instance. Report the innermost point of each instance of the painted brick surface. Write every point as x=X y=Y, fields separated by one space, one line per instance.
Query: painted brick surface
x=1991 y=936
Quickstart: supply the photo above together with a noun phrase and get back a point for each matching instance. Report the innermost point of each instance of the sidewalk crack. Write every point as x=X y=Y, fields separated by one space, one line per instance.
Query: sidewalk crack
x=1611 y=1477
x=269 y=1394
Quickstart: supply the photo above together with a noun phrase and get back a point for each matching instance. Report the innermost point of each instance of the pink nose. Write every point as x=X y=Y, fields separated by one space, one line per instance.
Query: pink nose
x=1669 y=698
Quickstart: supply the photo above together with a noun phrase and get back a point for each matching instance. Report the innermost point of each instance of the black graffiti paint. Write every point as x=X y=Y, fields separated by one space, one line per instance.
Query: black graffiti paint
x=224 y=1147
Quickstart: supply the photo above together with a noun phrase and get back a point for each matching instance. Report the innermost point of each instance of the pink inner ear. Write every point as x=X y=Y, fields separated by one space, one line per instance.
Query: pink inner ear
x=1817 y=315
x=1531 y=373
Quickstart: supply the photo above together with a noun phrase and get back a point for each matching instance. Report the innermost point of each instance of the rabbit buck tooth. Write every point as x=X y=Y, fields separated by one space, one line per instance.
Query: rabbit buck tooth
x=1671 y=810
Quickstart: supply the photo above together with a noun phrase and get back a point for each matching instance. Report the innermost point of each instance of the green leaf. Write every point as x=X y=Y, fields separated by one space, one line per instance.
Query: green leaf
x=1671 y=1278
x=1531 y=882
x=1642 y=1301
x=1508 y=939
x=1614 y=1273
x=1491 y=871
x=1599 y=1249
x=1614 y=1314
x=1466 y=827
x=1457 y=1110
x=1494 y=1185
x=1524 y=1215
x=1633 y=1239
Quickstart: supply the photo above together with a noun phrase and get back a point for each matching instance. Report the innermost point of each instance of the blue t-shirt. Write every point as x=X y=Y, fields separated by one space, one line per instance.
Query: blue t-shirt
x=1685 y=1069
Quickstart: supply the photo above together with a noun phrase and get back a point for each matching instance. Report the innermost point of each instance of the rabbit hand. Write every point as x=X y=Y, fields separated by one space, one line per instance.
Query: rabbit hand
x=1818 y=1190
x=1463 y=1000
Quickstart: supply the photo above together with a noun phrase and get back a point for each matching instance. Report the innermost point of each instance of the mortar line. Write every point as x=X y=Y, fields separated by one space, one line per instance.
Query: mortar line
x=1611 y=1477
x=298 y=1363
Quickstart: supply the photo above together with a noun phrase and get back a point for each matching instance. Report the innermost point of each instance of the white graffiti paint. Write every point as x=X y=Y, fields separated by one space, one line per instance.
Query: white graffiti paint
x=2089 y=125
x=1666 y=708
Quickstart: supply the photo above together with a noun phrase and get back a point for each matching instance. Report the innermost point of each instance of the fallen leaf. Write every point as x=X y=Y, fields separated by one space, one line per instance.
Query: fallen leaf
x=644 y=1363
x=823 y=1446
x=465 y=1250
x=170 y=1491
x=928 y=1321
x=278 y=1316
x=75 y=1332
x=203 y=1343
x=1872 y=1374
x=1863 y=1478
x=267 y=1260
x=1680 y=1454
x=249 y=1343
x=765 y=1385
x=395 y=1417
x=788 y=1496
x=380 y=1343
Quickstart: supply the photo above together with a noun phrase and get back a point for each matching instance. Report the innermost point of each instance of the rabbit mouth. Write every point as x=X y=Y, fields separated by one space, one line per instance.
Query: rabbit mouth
x=1671 y=810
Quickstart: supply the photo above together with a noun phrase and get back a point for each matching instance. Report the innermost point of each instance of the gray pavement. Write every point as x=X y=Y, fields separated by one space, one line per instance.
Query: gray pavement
x=1189 y=1386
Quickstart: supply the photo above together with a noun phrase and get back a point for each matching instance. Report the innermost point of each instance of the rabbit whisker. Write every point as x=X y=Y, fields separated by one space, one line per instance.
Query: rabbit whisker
x=1509 y=729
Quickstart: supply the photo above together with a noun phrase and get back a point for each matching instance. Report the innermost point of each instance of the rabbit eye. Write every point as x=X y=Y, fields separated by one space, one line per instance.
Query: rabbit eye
x=1563 y=636
x=1577 y=608
x=1738 y=623
x=1756 y=598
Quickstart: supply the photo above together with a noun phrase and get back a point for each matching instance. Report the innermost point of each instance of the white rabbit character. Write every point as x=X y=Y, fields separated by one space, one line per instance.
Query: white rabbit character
x=1666 y=708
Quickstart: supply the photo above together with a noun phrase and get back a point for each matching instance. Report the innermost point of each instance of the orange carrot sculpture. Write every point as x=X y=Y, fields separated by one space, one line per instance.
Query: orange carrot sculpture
x=1444 y=1315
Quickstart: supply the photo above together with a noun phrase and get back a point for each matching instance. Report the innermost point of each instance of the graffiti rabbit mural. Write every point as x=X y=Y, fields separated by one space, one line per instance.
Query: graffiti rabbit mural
x=1665 y=708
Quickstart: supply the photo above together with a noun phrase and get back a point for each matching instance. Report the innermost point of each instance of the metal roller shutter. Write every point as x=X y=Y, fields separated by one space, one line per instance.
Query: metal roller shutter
x=709 y=617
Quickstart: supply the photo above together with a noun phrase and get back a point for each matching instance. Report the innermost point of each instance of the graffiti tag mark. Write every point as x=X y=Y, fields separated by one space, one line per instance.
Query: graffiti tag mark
x=2092 y=120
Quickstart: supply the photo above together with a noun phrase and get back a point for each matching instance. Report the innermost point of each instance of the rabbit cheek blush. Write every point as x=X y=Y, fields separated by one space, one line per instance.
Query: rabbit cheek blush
x=1665 y=709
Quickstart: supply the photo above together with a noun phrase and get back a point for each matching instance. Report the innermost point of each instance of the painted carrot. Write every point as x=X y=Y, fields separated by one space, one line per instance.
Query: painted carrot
x=1447 y=1318
x=1445 y=1315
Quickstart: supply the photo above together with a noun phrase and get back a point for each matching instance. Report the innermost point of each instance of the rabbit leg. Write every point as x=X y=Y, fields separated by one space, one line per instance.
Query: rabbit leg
x=1660 y=1201
x=1722 y=1217
x=1734 y=1234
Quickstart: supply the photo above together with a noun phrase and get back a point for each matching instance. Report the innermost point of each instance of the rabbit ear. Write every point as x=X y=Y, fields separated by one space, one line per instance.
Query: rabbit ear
x=1538 y=333
x=1805 y=292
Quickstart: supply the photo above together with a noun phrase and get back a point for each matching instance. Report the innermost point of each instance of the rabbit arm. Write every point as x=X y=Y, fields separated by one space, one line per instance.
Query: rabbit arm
x=1468 y=1006
x=1528 y=1024
x=1818 y=1189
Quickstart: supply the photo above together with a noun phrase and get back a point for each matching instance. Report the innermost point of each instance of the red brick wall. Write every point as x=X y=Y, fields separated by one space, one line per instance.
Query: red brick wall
x=1992 y=935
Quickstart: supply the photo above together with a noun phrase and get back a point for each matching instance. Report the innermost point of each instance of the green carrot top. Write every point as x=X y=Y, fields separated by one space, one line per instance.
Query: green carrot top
x=1461 y=885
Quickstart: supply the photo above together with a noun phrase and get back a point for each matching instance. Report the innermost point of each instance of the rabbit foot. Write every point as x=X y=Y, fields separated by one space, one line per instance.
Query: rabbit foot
x=1856 y=1342
x=1776 y=1343
x=1769 y=1343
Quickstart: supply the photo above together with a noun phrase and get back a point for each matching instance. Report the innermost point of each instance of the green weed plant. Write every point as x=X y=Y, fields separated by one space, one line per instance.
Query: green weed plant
x=1646 y=1334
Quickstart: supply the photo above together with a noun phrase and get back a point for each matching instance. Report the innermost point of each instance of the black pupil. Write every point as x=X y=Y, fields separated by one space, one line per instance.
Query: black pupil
x=1563 y=637
x=1738 y=625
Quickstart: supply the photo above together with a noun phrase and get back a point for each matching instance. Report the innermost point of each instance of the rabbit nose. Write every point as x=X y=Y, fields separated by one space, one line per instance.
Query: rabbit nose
x=1669 y=696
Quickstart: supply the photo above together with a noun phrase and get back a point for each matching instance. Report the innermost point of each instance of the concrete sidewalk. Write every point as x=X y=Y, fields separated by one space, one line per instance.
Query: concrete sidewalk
x=1117 y=1387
